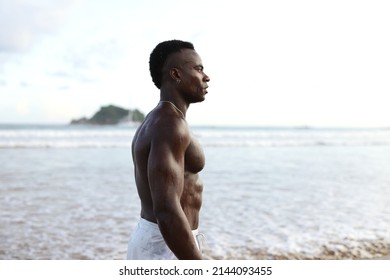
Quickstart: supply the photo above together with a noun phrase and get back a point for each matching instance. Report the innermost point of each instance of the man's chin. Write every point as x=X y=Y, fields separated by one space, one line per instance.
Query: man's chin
x=200 y=99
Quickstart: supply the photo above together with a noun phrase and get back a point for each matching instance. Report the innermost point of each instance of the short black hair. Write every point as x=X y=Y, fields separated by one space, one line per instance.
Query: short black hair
x=160 y=54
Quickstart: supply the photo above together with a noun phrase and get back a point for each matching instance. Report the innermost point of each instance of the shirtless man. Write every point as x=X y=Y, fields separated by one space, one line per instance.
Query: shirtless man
x=167 y=159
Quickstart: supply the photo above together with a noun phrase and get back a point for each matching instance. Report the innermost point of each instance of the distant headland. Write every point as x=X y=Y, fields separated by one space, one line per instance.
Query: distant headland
x=110 y=115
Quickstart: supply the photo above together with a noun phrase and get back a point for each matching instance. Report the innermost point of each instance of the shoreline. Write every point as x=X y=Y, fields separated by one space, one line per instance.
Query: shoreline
x=387 y=257
x=253 y=254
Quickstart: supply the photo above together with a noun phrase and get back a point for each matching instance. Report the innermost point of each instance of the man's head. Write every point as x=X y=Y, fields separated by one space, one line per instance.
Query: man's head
x=159 y=56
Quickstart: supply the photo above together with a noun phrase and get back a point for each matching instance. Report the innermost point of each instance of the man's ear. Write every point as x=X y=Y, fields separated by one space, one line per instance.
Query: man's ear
x=175 y=74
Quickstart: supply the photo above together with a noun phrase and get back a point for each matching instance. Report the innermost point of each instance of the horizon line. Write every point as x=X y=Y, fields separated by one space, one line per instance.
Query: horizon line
x=265 y=126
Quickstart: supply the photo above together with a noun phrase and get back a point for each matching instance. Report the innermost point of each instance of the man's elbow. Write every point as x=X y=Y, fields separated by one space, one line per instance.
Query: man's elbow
x=165 y=215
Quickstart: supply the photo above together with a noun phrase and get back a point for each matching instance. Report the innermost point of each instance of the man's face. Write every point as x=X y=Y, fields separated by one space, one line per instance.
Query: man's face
x=193 y=81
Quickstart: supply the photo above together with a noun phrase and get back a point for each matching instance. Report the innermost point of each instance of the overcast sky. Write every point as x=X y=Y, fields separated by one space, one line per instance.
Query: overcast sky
x=315 y=63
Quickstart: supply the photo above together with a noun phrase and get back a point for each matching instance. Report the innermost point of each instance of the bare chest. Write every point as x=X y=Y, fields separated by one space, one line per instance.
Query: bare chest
x=194 y=157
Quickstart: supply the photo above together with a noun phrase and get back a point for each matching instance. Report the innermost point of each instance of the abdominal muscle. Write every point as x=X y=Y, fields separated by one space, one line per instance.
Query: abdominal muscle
x=191 y=198
x=190 y=201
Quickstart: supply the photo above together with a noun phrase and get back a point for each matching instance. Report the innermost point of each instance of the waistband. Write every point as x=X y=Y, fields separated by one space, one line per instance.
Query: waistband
x=147 y=224
x=198 y=237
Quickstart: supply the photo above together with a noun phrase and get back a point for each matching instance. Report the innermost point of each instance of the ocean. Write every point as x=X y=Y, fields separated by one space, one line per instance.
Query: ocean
x=68 y=192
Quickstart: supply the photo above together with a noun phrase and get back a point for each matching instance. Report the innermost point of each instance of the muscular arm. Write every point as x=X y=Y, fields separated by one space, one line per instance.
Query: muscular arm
x=166 y=180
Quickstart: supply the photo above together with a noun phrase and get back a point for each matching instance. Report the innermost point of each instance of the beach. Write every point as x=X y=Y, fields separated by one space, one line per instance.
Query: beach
x=68 y=192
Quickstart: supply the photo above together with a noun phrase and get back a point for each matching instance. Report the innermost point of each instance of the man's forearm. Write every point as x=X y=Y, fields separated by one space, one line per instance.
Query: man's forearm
x=178 y=236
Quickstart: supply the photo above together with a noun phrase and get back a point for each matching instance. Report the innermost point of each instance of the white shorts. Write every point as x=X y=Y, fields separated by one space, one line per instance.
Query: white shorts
x=147 y=243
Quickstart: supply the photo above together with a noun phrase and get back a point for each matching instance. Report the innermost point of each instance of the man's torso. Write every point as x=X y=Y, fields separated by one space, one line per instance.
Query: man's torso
x=191 y=197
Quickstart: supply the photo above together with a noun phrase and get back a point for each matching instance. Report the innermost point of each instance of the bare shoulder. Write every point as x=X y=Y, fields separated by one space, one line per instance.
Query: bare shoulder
x=164 y=126
x=172 y=129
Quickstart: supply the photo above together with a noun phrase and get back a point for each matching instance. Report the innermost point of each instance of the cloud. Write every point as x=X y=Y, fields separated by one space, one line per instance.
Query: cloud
x=23 y=22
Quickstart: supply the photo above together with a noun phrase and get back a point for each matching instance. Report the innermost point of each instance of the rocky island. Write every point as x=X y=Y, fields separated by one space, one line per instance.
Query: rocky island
x=110 y=115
